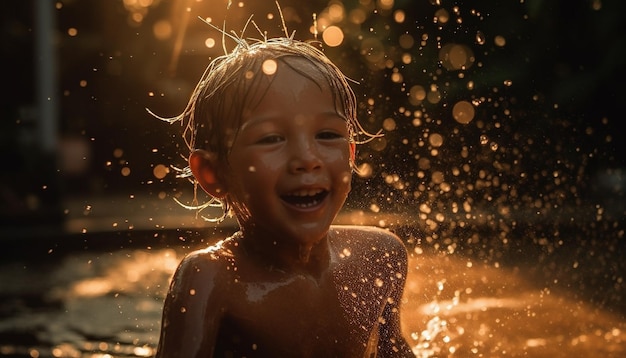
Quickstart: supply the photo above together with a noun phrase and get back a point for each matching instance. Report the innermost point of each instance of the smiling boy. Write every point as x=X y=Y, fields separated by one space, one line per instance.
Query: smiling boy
x=273 y=132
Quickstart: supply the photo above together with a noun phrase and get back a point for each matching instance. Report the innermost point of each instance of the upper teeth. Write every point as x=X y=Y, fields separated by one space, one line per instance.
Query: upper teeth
x=306 y=192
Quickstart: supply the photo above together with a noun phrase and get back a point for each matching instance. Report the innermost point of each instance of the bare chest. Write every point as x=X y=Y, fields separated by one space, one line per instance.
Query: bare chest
x=291 y=314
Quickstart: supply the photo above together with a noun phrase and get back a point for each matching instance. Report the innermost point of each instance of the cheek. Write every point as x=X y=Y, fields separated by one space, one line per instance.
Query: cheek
x=346 y=178
x=254 y=176
x=257 y=162
x=339 y=161
x=338 y=157
x=268 y=164
x=246 y=163
x=345 y=182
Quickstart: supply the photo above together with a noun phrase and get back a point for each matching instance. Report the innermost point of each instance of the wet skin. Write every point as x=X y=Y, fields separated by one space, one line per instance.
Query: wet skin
x=225 y=301
x=290 y=164
x=287 y=284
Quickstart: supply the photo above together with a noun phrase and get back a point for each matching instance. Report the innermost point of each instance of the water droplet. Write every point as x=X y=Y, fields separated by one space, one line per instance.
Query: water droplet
x=269 y=67
x=480 y=38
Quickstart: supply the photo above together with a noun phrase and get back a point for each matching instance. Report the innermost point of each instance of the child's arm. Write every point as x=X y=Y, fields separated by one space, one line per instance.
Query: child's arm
x=391 y=341
x=191 y=313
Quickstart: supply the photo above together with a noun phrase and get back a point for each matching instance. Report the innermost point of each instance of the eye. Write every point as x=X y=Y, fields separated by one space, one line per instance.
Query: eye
x=270 y=139
x=329 y=135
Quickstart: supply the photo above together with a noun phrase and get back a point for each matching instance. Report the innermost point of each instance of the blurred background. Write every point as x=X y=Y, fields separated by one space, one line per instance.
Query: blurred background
x=503 y=144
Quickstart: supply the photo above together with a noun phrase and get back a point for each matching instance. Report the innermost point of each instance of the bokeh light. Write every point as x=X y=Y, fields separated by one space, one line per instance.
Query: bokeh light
x=333 y=36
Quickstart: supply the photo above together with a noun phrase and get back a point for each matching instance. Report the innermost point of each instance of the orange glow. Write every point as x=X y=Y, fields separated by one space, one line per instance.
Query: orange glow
x=417 y=94
x=389 y=124
x=162 y=30
x=357 y=16
x=434 y=96
x=336 y=12
x=442 y=16
x=406 y=41
x=399 y=16
x=463 y=112
x=435 y=139
x=385 y=4
x=333 y=36
x=500 y=41
x=160 y=171
x=456 y=57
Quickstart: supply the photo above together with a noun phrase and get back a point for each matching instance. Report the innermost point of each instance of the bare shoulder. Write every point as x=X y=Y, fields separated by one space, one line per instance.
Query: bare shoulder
x=197 y=296
x=199 y=267
x=370 y=235
x=369 y=240
x=216 y=254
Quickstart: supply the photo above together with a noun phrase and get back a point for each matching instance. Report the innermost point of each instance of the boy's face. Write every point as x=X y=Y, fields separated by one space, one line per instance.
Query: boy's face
x=290 y=162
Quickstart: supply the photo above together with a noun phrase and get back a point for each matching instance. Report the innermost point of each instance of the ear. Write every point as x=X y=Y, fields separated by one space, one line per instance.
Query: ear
x=203 y=165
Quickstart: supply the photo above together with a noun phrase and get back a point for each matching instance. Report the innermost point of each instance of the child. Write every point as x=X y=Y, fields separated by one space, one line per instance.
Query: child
x=272 y=127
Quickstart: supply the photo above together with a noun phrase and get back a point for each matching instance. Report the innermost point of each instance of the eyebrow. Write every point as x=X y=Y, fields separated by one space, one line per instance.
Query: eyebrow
x=255 y=121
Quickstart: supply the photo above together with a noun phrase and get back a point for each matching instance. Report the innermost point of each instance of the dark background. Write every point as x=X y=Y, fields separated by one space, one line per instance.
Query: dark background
x=565 y=52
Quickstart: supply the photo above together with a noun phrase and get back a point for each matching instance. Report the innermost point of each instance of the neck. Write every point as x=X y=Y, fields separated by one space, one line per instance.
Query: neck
x=285 y=254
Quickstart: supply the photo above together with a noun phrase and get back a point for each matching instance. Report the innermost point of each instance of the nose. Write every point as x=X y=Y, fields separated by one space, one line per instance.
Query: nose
x=304 y=156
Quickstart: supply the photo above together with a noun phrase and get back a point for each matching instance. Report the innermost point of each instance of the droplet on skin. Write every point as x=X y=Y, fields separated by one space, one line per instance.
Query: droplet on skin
x=269 y=67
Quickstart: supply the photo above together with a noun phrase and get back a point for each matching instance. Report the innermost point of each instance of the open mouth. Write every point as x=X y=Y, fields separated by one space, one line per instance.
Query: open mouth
x=304 y=199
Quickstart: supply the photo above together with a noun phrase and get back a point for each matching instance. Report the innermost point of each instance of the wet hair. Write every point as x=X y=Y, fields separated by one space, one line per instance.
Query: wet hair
x=234 y=82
